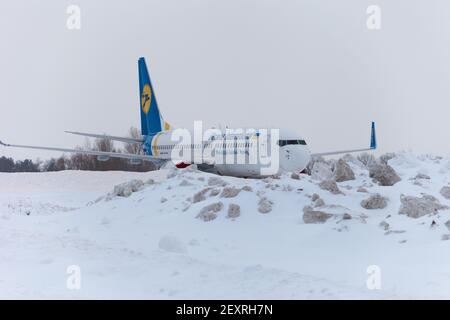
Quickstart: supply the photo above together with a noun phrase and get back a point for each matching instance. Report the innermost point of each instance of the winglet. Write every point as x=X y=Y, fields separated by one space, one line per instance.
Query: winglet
x=373 y=138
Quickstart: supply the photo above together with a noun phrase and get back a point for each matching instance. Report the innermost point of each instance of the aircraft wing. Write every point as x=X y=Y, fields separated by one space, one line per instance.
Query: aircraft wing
x=88 y=152
x=93 y=135
x=373 y=146
x=339 y=152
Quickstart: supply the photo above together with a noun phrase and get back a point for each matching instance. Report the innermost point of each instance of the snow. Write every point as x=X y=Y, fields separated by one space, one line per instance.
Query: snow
x=142 y=247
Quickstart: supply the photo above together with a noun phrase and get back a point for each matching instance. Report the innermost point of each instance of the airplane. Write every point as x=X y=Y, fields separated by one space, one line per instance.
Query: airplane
x=158 y=144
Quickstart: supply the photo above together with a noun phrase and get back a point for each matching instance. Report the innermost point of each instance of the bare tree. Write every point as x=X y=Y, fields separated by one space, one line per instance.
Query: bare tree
x=134 y=148
x=79 y=161
x=104 y=144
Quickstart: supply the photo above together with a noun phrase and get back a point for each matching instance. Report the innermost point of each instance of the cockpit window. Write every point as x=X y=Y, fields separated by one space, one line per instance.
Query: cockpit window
x=282 y=143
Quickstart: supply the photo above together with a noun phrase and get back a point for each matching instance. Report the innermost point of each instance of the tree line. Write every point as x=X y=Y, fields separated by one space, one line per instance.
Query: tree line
x=77 y=161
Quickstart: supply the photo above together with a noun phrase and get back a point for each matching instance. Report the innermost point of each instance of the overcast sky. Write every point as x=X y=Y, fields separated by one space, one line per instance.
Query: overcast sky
x=311 y=66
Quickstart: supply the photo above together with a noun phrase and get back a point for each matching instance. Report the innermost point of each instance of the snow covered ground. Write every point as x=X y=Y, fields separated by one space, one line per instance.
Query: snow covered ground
x=154 y=244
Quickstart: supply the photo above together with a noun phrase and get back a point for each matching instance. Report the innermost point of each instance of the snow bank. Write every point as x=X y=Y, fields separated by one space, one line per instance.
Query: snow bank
x=189 y=234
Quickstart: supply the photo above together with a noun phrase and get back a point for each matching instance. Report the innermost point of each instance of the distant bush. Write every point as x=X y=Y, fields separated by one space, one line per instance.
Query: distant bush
x=9 y=165
x=367 y=159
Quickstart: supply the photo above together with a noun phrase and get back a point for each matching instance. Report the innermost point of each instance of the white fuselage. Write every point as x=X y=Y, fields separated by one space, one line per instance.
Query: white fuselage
x=235 y=154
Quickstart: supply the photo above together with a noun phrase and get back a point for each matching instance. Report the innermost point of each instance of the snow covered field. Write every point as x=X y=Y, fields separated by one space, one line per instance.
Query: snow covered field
x=161 y=242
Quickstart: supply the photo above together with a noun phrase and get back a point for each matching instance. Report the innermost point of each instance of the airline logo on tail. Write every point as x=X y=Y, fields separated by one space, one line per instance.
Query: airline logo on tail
x=146 y=98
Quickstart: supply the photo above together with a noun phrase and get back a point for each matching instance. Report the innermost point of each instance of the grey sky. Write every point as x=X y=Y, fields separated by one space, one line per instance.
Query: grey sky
x=312 y=66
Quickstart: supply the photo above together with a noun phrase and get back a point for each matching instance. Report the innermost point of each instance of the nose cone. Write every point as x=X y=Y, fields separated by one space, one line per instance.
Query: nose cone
x=294 y=158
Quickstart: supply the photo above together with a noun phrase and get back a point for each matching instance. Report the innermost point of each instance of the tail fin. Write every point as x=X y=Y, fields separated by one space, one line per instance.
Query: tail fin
x=373 y=138
x=151 y=119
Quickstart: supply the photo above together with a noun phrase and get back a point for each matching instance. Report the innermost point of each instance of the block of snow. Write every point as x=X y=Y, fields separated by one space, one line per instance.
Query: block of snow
x=342 y=171
x=361 y=189
x=127 y=188
x=346 y=216
x=200 y=196
x=209 y=212
x=312 y=216
x=234 y=210
x=416 y=207
x=384 y=174
x=264 y=205
x=375 y=201
x=317 y=200
x=384 y=225
x=331 y=186
x=445 y=192
x=319 y=203
x=216 y=181
x=230 y=192
x=321 y=171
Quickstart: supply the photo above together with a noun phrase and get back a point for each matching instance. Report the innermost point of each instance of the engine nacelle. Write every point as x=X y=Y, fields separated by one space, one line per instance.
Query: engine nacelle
x=135 y=161
x=102 y=158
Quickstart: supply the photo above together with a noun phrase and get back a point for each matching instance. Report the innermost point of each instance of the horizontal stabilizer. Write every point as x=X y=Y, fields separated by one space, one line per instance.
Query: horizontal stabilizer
x=100 y=154
x=103 y=136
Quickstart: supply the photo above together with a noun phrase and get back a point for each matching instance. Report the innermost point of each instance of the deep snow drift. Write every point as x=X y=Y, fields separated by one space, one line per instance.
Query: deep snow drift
x=187 y=234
